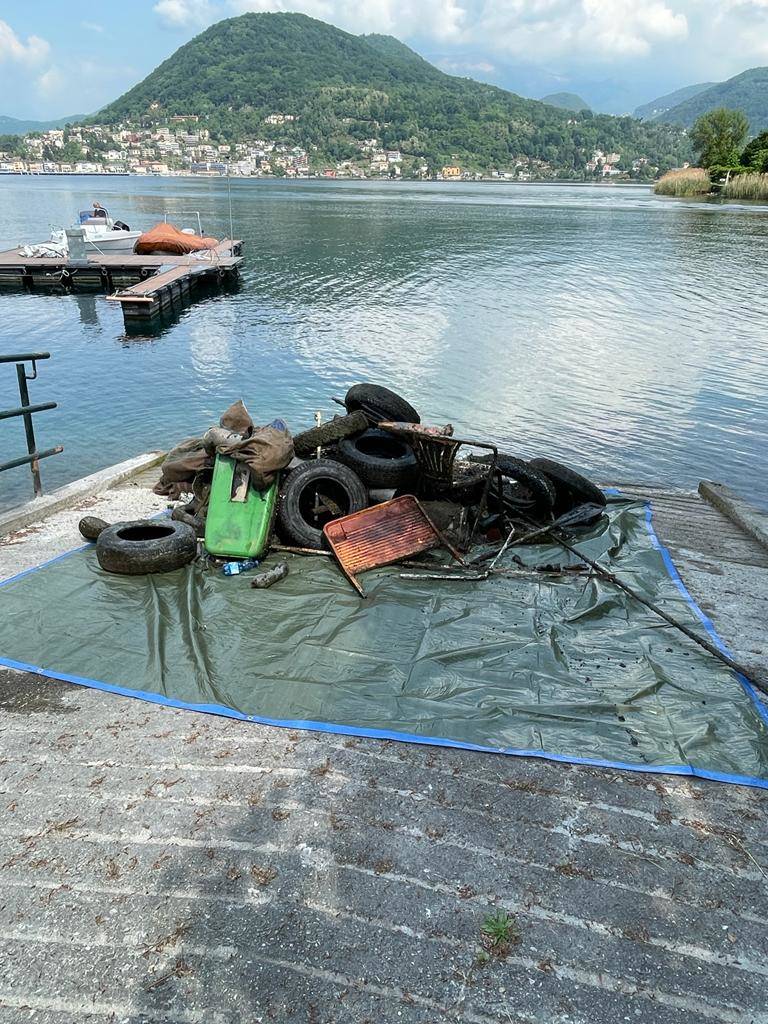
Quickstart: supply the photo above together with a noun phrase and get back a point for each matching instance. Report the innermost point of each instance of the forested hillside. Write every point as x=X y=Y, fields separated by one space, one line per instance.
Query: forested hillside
x=566 y=100
x=656 y=109
x=15 y=126
x=747 y=92
x=341 y=89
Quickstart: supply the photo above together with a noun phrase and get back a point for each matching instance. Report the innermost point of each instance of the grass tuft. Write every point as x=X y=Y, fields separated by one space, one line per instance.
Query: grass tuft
x=688 y=181
x=499 y=932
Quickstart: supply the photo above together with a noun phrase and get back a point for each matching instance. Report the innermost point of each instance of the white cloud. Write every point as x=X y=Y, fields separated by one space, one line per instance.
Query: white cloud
x=461 y=66
x=185 y=13
x=738 y=27
x=12 y=48
x=92 y=26
x=594 y=29
x=50 y=83
x=529 y=29
x=433 y=19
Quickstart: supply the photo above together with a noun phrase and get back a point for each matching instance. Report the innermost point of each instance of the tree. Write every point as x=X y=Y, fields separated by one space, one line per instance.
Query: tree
x=718 y=136
x=755 y=155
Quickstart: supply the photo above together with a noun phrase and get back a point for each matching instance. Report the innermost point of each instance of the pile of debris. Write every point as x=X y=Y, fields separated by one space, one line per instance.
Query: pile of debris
x=373 y=486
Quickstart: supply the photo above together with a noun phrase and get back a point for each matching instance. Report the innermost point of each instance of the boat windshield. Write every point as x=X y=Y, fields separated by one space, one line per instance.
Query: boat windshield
x=88 y=216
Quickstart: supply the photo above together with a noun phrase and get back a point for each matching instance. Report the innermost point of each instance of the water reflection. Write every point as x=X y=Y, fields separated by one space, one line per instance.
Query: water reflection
x=86 y=306
x=617 y=330
x=152 y=328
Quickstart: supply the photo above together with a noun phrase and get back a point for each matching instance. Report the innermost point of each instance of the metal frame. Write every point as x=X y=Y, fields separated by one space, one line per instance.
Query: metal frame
x=26 y=411
x=436 y=454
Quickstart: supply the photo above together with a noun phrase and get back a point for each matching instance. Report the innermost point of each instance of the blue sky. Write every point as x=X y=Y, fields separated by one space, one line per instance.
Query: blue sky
x=59 y=58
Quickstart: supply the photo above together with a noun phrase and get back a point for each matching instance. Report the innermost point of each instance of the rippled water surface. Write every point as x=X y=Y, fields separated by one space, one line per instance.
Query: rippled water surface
x=623 y=333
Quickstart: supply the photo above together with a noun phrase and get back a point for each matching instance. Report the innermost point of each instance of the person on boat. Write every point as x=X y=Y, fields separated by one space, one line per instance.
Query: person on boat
x=98 y=210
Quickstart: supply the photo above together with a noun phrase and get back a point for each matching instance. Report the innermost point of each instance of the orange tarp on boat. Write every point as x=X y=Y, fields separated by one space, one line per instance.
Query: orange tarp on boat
x=168 y=238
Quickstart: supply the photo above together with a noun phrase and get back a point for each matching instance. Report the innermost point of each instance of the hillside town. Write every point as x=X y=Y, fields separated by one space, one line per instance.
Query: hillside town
x=182 y=146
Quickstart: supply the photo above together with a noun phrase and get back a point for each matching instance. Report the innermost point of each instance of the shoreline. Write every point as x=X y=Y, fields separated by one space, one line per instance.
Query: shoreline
x=322 y=178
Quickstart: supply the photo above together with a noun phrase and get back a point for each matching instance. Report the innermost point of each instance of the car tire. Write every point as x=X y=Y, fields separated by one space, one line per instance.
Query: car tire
x=571 y=488
x=330 y=433
x=145 y=546
x=379 y=404
x=313 y=494
x=535 y=492
x=380 y=459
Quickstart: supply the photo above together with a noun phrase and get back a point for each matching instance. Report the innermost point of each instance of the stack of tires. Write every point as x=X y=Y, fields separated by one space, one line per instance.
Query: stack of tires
x=540 y=490
x=356 y=458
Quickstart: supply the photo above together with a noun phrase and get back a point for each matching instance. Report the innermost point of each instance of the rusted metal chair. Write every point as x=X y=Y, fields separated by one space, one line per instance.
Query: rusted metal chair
x=436 y=457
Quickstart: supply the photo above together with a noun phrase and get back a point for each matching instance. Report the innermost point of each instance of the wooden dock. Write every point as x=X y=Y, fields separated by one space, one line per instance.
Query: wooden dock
x=145 y=286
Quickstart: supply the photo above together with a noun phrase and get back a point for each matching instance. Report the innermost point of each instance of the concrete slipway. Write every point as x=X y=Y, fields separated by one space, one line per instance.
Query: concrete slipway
x=163 y=866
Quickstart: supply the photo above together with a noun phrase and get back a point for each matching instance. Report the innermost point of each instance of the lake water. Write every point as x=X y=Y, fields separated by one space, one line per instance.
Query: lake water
x=619 y=332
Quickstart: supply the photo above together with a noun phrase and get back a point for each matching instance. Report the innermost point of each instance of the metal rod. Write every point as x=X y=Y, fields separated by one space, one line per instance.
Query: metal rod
x=229 y=197
x=6 y=414
x=29 y=430
x=25 y=357
x=26 y=459
x=486 y=490
x=300 y=551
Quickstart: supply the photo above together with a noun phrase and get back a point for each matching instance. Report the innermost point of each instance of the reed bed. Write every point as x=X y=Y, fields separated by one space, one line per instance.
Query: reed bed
x=688 y=181
x=746 y=186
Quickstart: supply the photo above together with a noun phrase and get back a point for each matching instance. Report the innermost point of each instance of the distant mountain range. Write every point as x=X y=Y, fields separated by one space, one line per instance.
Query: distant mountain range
x=747 y=92
x=566 y=101
x=16 y=126
x=656 y=109
x=331 y=91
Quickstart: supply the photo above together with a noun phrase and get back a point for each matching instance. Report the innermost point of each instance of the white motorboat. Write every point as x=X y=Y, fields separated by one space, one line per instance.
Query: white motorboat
x=98 y=232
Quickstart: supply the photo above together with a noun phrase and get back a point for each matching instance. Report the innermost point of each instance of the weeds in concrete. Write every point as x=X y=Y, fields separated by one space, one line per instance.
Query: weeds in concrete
x=166 y=941
x=181 y=969
x=499 y=932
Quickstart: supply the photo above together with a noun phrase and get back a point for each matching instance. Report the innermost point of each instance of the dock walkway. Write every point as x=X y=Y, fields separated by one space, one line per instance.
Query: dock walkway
x=143 y=285
x=163 y=866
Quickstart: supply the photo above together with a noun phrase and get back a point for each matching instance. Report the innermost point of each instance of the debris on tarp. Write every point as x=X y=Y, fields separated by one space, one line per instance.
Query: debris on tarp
x=264 y=450
x=242 y=487
x=267 y=579
x=556 y=629
x=538 y=663
x=383 y=534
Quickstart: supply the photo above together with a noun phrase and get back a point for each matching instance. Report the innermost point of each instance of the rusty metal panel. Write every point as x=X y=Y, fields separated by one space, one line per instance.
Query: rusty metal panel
x=381 y=535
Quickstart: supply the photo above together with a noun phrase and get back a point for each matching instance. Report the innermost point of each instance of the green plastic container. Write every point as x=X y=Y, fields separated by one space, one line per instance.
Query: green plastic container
x=238 y=528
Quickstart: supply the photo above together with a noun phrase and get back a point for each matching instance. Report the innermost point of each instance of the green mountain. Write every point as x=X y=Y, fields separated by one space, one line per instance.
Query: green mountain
x=14 y=126
x=656 y=109
x=342 y=89
x=388 y=46
x=747 y=92
x=566 y=100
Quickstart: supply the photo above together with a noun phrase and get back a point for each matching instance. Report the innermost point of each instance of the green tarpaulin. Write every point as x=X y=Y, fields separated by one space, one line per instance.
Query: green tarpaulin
x=559 y=666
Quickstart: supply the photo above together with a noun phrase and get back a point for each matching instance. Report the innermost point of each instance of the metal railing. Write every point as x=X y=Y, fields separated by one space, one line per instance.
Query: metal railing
x=26 y=411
